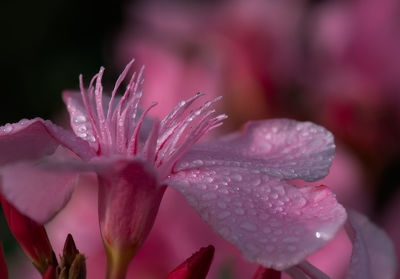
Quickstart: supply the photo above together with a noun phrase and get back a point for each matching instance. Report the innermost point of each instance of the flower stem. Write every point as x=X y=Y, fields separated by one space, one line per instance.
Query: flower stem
x=118 y=263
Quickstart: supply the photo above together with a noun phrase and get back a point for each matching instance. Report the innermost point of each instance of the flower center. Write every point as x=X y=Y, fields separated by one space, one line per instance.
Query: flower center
x=120 y=127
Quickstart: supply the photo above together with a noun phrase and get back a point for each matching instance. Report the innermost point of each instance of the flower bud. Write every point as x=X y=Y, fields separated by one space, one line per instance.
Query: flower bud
x=266 y=273
x=31 y=236
x=195 y=267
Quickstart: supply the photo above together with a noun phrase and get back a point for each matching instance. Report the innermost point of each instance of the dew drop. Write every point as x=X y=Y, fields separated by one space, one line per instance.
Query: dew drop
x=225 y=232
x=209 y=179
x=223 y=214
x=252 y=248
x=266 y=230
x=82 y=129
x=236 y=177
x=256 y=182
x=8 y=128
x=79 y=119
x=209 y=196
x=248 y=226
x=221 y=204
x=198 y=163
x=239 y=211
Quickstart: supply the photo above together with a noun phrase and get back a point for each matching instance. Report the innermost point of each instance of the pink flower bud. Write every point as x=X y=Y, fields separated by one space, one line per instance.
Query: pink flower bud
x=195 y=267
x=31 y=236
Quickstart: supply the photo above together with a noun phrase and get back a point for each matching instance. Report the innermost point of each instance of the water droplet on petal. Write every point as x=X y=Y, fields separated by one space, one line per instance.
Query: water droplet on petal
x=221 y=204
x=8 y=128
x=248 y=226
x=239 y=211
x=79 y=119
x=209 y=196
x=236 y=177
x=198 y=163
x=223 y=214
x=266 y=230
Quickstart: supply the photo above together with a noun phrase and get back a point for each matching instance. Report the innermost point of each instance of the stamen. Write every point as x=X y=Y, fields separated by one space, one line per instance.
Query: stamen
x=133 y=143
x=98 y=93
x=89 y=112
x=148 y=149
x=116 y=86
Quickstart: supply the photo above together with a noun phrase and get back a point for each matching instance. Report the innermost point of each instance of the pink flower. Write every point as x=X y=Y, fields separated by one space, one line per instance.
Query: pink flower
x=238 y=184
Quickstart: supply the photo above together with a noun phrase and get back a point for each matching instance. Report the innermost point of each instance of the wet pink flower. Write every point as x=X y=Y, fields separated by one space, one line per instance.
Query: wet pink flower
x=238 y=184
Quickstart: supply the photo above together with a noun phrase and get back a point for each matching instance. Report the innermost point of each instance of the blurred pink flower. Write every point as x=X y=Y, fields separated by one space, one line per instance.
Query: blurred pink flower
x=238 y=184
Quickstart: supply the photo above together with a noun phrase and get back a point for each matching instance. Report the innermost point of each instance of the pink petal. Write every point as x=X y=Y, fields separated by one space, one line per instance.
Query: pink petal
x=373 y=254
x=37 y=193
x=271 y=222
x=33 y=139
x=280 y=147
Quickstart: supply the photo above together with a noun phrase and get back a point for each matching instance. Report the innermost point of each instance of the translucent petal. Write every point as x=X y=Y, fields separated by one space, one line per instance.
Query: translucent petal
x=281 y=147
x=37 y=193
x=373 y=254
x=33 y=139
x=271 y=222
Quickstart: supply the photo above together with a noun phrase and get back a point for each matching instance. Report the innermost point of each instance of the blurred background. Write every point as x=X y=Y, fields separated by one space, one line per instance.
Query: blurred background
x=336 y=63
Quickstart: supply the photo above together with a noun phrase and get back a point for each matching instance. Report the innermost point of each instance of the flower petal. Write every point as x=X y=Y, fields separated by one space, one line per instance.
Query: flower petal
x=37 y=193
x=271 y=222
x=373 y=254
x=33 y=139
x=280 y=147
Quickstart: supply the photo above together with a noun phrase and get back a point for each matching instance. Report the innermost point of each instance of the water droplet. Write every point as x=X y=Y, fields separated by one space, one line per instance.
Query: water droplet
x=209 y=179
x=23 y=122
x=223 y=214
x=209 y=196
x=290 y=239
x=266 y=230
x=79 y=119
x=248 y=226
x=91 y=138
x=221 y=204
x=291 y=248
x=274 y=196
x=202 y=186
x=83 y=135
x=239 y=211
x=198 y=163
x=8 y=128
x=252 y=248
x=236 y=177
x=225 y=232
x=256 y=182
x=277 y=232
x=82 y=129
